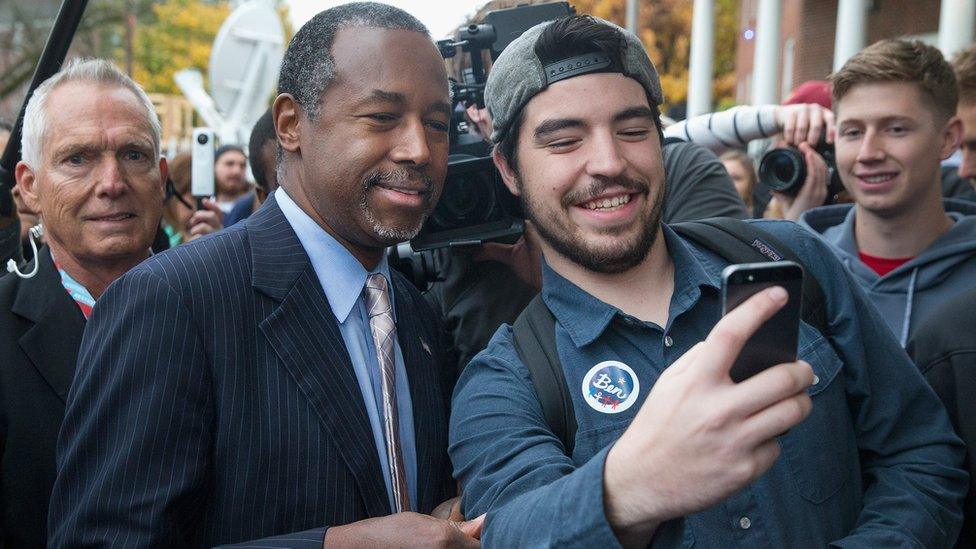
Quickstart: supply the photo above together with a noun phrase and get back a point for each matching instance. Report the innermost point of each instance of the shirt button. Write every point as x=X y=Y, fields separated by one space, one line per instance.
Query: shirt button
x=816 y=379
x=745 y=523
x=668 y=342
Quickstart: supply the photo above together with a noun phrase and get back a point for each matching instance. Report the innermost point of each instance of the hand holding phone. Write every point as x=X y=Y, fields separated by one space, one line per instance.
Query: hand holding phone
x=775 y=342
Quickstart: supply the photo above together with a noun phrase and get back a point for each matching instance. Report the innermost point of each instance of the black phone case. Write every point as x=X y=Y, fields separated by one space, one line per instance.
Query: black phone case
x=775 y=342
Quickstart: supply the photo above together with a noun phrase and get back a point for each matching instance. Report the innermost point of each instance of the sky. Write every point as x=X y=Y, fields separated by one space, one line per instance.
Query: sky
x=440 y=16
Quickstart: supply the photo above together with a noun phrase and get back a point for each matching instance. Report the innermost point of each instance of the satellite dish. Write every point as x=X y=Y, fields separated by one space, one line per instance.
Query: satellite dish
x=244 y=64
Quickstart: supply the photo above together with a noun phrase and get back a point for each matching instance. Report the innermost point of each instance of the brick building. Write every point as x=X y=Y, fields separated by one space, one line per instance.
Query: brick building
x=808 y=33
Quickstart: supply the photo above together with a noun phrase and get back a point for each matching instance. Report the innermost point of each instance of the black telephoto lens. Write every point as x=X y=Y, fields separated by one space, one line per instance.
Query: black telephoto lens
x=783 y=170
x=202 y=139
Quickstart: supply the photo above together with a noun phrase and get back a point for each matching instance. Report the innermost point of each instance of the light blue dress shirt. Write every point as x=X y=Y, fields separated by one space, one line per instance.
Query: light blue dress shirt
x=343 y=278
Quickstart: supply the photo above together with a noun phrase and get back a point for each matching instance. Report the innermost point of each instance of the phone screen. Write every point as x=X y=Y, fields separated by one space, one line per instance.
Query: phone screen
x=776 y=340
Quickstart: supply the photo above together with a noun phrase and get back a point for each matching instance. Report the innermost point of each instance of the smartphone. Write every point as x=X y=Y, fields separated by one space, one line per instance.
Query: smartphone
x=776 y=340
x=202 y=183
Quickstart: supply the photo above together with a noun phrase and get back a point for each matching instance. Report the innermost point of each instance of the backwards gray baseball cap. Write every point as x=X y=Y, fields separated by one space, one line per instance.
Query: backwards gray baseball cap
x=518 y=74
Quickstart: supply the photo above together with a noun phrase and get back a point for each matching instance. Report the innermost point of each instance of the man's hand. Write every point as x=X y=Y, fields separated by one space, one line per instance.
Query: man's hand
x=449 y=510
x=481 y=119
x=805 y=123
x=208 y=220
x=406 y=530
x=699 y=437
x=813 y=193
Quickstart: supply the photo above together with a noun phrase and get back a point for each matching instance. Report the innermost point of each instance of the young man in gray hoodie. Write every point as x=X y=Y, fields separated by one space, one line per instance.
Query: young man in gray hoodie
x=895 y=105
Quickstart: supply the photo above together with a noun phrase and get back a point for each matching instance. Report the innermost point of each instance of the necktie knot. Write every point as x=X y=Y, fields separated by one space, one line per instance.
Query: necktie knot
x=377 y=295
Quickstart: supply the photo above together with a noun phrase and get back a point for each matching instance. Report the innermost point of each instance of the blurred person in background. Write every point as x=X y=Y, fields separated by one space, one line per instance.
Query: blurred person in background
x=27 y=218
x=91 y=167
x=261 y=150
x=181 y=221
x=230 y=173
x=743 y=174
x=944 y=345
x=960 y=182
x=9 y=225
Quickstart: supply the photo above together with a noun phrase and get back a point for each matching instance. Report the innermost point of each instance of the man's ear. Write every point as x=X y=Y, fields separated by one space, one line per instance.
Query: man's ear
x=163 y=174
x=286 y=124
x=509 y=177
x=27 y=182
x=951 y=137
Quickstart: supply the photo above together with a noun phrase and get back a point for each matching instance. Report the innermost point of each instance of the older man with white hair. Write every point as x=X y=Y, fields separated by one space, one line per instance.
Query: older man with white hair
x=91 y=166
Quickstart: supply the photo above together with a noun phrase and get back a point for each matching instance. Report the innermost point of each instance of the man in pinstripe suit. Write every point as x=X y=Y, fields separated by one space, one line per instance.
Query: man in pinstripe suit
x=234 y=388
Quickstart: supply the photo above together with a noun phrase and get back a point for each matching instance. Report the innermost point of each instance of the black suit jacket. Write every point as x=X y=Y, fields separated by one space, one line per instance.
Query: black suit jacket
x=215 y=402
x=40 y=332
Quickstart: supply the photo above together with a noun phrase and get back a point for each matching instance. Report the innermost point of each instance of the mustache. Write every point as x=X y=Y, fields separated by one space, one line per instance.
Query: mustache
x=596 y=187
x=399 y=176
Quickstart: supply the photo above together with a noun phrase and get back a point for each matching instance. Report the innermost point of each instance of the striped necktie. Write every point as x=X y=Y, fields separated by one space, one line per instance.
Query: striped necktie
x=377 y=297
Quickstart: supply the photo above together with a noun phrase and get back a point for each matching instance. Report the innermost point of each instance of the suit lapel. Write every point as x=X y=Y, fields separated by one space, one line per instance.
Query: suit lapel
x=53 y=341
x=305 y=335
x=429 y=420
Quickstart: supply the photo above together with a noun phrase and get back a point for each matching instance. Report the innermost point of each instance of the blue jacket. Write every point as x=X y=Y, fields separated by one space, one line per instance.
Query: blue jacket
x=876 y=464
x=905 y=295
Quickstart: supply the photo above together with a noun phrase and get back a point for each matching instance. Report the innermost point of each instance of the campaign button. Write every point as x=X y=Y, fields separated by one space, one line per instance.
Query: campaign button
x=610 y=387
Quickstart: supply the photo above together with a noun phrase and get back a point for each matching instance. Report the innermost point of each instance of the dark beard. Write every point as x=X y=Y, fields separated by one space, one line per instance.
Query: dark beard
x=603 y=261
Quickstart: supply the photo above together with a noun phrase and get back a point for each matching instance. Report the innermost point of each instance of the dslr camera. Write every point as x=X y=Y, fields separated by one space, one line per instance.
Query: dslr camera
x=784 y=170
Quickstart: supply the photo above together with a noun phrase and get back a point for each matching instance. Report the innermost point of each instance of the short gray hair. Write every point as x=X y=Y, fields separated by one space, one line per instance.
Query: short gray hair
x=97 y=71
x=308 y=67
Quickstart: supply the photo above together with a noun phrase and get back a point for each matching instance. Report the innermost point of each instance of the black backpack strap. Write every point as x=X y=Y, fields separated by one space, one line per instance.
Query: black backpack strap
x=736 y=241
x=534 y=334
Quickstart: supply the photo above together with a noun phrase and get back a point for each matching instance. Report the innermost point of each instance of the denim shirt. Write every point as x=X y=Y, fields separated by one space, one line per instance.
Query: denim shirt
x=875 y=464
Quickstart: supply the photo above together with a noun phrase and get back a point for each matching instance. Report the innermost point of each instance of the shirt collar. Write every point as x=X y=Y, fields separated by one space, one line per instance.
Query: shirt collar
x=585 y=318
x=341 y=275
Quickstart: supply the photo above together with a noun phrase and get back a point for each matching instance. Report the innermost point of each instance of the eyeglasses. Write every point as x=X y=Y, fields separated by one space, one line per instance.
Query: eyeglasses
x=171 y=193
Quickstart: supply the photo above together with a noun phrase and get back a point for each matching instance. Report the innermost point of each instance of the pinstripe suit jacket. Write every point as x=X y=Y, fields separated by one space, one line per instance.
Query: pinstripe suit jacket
x=215 y=402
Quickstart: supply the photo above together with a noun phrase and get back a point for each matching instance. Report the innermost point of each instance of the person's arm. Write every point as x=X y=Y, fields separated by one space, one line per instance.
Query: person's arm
x=910 y=458
x=729 y=129
x=696 y=424
x=512 y=467
x=736 y=127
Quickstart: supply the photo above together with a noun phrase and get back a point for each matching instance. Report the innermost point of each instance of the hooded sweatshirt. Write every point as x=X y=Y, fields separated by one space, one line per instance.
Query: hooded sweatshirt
x=905 y=295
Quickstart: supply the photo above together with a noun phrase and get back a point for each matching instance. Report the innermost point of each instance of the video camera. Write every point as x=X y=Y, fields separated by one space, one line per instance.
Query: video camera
x=475 y=205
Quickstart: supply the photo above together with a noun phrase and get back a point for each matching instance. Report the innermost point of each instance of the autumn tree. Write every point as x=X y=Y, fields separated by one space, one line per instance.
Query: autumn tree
x=150 y=39
x=666 y=33
x=178 y=36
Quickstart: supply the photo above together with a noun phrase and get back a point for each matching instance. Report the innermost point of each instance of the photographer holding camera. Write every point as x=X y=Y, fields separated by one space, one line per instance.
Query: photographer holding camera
x=797 y=172
x=910 y=249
